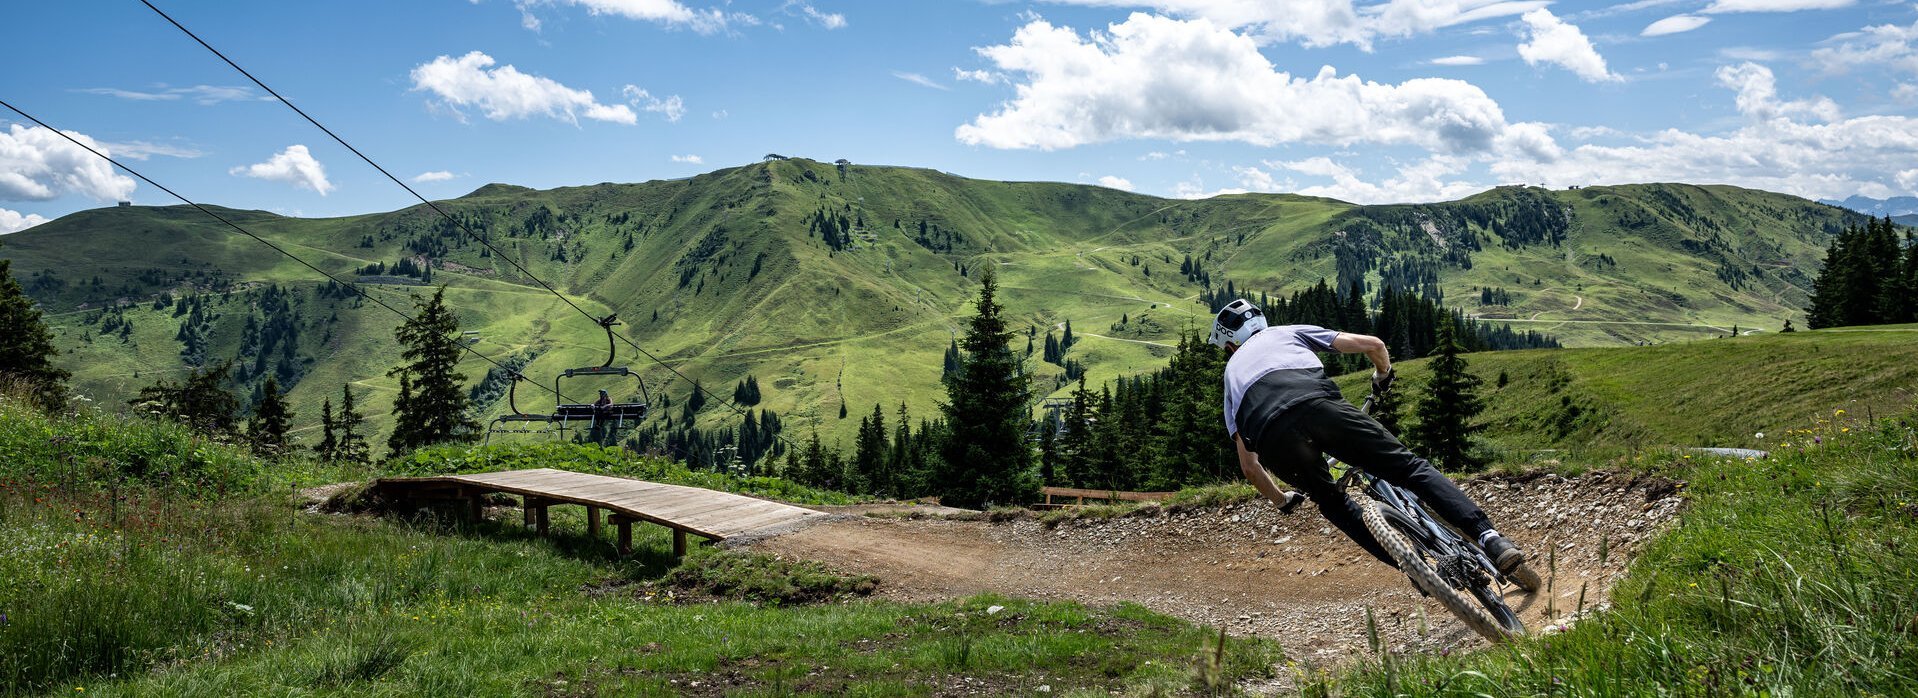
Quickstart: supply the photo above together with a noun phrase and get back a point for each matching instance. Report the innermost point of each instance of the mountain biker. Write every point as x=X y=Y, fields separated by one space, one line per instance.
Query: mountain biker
x=1283 y=413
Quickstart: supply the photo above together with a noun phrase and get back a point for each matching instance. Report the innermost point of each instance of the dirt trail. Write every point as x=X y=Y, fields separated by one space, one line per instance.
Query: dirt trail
x=1248 y=567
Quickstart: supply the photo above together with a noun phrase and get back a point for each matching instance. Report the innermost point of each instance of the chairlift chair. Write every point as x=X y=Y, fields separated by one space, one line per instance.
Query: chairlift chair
x=607 y=422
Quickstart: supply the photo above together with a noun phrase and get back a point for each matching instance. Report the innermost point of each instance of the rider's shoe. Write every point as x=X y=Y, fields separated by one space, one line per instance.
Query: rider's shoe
x=1505 y=556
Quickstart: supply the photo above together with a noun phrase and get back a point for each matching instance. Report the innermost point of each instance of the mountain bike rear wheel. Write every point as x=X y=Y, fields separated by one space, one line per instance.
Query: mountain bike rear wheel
x=1417 y=562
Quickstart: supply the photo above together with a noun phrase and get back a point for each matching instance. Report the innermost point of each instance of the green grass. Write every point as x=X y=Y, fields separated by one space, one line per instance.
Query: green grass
x=1786 y=576
x=120 y=580
x=1598 y=404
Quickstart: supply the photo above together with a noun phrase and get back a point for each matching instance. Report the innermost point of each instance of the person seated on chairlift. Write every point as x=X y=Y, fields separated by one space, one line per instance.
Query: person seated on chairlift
x=604 y=405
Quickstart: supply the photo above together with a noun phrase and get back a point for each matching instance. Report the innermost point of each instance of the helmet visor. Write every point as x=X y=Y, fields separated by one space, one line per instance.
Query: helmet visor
x=1232 y=319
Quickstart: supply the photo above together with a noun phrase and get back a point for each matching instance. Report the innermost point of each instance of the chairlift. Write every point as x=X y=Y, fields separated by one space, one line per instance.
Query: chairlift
x=604 y=422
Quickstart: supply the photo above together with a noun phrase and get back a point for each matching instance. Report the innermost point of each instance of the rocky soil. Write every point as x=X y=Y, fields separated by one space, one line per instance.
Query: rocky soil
x=1252 y=569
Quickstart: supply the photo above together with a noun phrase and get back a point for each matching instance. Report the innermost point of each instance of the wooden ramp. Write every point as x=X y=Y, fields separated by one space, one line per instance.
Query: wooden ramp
x=702 y=512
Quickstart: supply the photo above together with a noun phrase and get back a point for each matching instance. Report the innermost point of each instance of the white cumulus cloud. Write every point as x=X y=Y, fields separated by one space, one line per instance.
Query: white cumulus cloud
x=434 y=176
x=1676 y=24
x=689 y=159
x=1775 y=150
x=1115 y=182
x=1153 y=77
x=1431 y=179
x=1881 y=46
x=293 y=166
x=37 y=164
x=15 y=221
x=671 y=107
x=1554 y=41
x=1330 y=22
x=506 y=93
x=1758 y=95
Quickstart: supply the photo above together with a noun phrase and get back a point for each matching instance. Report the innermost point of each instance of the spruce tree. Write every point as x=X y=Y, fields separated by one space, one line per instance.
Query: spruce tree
x=352 y=446
x=985 y=456
x=26 y=346
x=328 y=449
x=202 y=402
x=1444 y=431
x=1387 y=408
x=432 y=406
x=266 y=429
x=869 y=454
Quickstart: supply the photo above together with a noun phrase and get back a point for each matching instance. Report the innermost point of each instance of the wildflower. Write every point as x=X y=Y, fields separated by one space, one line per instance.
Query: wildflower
x=1759 y=435
x=1845 y=430
x=1839 y=413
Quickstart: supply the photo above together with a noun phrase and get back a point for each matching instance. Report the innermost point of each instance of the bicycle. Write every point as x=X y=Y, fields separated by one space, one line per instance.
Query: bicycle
x=1446 y=565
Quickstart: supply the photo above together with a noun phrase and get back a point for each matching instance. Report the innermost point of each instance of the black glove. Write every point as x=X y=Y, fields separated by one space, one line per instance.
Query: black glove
x=1380 y=384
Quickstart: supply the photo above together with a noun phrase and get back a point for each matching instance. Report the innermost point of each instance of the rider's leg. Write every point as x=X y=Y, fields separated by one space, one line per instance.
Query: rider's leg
x=1293 y=458
x=1359 y=440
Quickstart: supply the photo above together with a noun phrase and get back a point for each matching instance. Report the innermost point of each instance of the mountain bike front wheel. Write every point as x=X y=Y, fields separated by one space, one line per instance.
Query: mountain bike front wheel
x=1418 y=562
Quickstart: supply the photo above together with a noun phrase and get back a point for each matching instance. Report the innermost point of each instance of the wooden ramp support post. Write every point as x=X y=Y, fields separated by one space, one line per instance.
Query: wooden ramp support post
x=679 y=543
x=625 y=525
x=592 y=521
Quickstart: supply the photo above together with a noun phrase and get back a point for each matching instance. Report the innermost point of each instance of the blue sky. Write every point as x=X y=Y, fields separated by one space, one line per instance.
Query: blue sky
x=1402 y=100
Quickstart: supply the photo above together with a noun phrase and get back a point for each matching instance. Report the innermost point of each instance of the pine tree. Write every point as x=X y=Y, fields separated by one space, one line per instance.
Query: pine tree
x=985 y=456
x=346 y=424
x=432 y=406
x=267 y=427
x=1387 y=408
x=329 y=448
x=869 y=455
x=1444 y=431
x=202 y=402
x=26 y=346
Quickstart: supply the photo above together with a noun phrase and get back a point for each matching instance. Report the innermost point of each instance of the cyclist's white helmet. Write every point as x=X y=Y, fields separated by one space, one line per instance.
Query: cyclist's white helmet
x=1237 y=322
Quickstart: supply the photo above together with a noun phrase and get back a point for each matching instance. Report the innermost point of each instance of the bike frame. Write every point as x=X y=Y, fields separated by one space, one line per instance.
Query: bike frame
x=1443 y=539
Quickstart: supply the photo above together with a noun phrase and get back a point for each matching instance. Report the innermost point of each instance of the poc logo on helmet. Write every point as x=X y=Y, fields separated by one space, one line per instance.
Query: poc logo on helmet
x=1237 y=322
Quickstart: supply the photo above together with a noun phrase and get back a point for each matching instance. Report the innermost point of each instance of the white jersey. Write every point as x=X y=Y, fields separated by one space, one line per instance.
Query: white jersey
x=1286 y=347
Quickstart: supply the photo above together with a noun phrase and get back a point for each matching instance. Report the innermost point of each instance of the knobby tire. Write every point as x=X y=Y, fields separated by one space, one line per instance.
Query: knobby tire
x=1414 y=565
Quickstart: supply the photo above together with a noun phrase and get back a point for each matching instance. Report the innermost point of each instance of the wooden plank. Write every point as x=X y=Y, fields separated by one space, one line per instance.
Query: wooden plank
x=733 y=515
x=747 y=523
x=696 y=507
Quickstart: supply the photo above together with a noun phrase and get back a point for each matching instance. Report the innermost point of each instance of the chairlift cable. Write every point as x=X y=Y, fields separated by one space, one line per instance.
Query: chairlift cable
x=436 y=209
x=353 y=287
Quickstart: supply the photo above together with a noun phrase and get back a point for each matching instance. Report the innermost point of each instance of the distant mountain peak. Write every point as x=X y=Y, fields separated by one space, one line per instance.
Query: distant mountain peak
x=1894 y=206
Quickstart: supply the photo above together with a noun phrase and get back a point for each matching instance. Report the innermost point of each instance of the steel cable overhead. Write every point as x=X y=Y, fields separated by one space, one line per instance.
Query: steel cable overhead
x=497 y=254
x=243 y=231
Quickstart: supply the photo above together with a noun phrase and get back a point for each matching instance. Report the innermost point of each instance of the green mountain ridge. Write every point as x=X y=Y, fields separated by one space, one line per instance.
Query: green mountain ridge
x=732 y=272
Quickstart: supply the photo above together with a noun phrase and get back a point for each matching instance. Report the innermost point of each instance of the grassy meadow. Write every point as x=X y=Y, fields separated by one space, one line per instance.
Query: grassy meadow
x=143 y=560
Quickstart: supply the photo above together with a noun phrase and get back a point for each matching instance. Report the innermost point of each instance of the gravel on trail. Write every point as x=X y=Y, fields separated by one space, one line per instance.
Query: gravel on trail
x=1251 y=569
